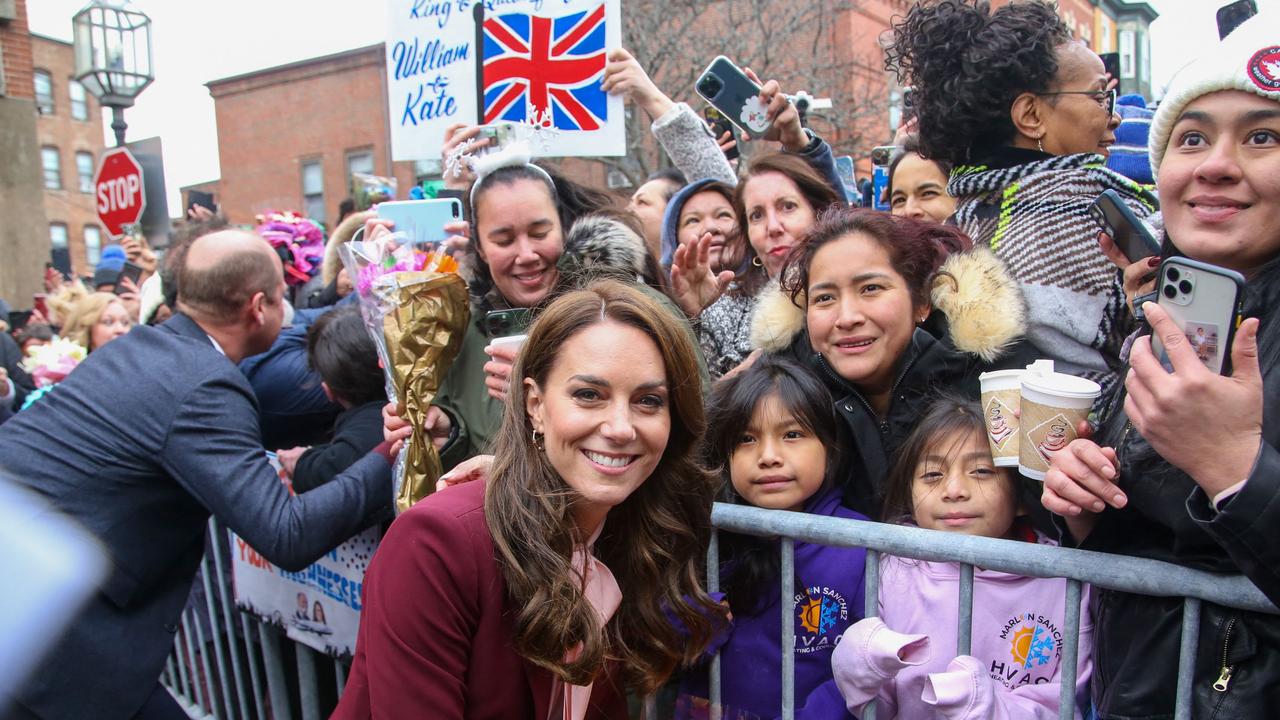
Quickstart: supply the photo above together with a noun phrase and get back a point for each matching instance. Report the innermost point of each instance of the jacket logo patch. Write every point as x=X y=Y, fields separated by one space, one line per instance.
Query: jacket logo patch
x=1035 y=646
x=822 y=615
x=1264 y=69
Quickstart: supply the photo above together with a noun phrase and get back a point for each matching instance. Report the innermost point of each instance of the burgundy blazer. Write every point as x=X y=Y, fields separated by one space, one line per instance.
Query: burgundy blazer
x=435 y=636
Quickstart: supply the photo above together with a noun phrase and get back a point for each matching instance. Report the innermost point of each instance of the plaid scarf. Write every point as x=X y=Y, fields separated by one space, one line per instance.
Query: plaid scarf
x=1035 y=217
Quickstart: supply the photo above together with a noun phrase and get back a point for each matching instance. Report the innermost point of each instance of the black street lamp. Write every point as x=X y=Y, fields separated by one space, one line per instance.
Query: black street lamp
x=113 y=55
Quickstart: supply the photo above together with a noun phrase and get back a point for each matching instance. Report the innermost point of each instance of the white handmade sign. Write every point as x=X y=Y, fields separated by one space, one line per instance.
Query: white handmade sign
x=319 y=606
x=532 y=63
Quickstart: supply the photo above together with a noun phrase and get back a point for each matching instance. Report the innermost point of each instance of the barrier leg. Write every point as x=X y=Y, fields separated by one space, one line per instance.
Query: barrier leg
x=308 y=692
x=274 y=662
x=1187 y=658
x=226 y=599
x=871 y=606
x=713 y=585
x=255 y=674
x=1070 y=652
x=964 y=629
x=787 y=587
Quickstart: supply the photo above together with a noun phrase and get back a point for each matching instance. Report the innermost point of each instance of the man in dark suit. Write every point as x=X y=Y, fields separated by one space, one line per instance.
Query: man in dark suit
x=149 y=435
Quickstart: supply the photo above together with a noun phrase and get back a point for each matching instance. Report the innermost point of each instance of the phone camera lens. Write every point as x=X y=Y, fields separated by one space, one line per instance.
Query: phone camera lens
x=1185 y=287
x=1173 y=274
x=1170 y=292
x=710 y=85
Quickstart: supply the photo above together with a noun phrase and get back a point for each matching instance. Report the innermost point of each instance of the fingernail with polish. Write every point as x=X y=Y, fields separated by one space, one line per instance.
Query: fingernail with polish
x=1153 y=262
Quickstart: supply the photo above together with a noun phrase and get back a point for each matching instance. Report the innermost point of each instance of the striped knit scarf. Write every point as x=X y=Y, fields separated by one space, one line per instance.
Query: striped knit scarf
x=1035 y=217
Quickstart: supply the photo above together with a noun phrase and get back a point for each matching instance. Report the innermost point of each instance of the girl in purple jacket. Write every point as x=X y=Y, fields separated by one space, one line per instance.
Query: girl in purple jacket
x=945 y=479
x=772 y=431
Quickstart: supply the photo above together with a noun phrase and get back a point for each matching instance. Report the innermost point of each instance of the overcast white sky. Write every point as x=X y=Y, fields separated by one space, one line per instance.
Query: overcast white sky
x=198 y=42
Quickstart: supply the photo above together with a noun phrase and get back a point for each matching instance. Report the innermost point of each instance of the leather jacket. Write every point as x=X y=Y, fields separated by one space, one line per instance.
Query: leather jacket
x=1168 y=517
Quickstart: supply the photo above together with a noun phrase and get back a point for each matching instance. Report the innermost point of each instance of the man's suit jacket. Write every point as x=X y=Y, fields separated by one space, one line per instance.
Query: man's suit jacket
x=148 y=436
x=437 y=630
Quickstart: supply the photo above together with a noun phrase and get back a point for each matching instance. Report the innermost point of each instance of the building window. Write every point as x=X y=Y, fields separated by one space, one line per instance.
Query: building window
x=313 y=189
x=92 y=244
x=52 y=168
x=360 y=162
x=84 y=171
x=1144 y=61
x=44 y=92
x=79 y=105
x=58 y=236
x=1127 y=70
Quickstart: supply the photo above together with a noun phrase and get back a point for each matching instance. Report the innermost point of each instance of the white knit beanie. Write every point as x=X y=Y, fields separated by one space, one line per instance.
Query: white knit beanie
x=1248 y=59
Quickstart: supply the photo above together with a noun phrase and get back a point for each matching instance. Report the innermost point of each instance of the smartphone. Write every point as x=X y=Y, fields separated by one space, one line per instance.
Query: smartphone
x=203 y=199
x=39 y=304
x=1111 y=64
x=18 y=319
x=908 y=104
x=1204 y=300
x=1129 y=233
x=881 y=157
x=422 y=220
x=505 y=323
x=499 y=134
x=131 y=271
x=1231 y=15
x=719 y=126
x=735 y=95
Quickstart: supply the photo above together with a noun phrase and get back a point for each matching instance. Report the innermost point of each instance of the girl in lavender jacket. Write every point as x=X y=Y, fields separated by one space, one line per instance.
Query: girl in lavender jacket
x=904 y=660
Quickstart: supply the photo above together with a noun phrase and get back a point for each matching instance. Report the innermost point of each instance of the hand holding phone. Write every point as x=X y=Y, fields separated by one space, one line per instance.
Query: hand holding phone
x=1204 y=301
x=422 y=221
x=1128 y=233
x=728 y=89
x=131 y=273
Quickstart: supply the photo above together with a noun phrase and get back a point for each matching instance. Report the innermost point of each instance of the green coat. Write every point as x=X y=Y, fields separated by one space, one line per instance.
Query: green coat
x=476 y=415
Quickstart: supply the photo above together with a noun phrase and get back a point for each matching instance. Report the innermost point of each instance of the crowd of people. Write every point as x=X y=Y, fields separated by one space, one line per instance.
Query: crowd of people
x=735 y=331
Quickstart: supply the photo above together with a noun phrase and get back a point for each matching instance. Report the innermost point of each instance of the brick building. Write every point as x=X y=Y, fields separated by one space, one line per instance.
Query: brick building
x=69 y=134
x=289 y=136
x=24 y=234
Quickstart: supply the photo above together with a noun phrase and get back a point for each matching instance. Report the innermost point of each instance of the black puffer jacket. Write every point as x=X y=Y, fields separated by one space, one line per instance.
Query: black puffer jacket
x=1168 y=517
x=981 y=313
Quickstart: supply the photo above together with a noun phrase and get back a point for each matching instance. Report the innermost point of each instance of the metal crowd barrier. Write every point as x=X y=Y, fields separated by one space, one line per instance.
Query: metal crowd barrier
x=237 y=669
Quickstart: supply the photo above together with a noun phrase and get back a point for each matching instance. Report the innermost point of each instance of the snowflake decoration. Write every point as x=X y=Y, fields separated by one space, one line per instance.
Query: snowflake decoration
x=1042 y=647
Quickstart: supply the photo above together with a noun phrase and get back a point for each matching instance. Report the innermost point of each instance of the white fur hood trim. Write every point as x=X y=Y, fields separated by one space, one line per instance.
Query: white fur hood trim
x=982 y=303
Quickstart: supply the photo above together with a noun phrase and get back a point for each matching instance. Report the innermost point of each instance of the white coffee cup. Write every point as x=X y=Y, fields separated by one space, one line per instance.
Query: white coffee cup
x=510 y=341
x=1052 y=406
x=1001 y=397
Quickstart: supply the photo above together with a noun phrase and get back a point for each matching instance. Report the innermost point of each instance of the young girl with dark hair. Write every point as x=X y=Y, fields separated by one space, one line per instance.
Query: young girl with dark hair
x=886 y=311
x=774 y=437
x=945 y=480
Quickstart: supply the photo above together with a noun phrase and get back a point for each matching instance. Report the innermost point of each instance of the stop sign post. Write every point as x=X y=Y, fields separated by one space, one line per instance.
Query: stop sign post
x=118 y=188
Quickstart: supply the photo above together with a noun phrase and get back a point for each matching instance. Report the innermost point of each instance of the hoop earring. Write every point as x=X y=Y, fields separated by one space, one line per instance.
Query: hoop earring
x=757 y=262
x=539 y=441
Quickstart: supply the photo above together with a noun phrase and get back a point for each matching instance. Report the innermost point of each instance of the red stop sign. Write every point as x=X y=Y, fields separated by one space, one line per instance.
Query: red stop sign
x=118 y=187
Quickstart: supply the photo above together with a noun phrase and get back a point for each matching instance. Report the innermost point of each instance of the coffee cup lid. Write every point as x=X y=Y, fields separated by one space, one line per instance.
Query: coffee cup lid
x=1063 y=385
x=1000 y=375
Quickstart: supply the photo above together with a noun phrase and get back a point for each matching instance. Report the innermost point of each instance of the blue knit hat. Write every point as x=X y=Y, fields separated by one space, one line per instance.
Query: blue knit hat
x=1129 y=156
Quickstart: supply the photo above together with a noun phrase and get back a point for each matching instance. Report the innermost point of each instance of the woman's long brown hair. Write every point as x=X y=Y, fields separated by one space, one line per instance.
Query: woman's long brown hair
x=654 y=542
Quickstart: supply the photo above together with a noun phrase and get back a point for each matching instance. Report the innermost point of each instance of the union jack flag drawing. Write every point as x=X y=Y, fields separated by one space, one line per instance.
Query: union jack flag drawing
x=541 y=68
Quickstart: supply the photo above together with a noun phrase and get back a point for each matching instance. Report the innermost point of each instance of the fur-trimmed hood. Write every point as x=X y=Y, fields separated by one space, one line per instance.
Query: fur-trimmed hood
x=983 y=306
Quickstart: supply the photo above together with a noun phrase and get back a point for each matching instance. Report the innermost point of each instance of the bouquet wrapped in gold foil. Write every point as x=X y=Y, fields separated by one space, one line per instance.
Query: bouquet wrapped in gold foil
x=415 y=307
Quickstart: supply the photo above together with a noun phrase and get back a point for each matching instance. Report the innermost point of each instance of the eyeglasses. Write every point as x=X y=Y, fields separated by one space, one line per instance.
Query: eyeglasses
x=1101 y=96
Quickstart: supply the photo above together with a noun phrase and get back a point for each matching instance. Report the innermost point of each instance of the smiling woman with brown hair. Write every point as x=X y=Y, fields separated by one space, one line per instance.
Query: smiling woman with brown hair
x=541 y=592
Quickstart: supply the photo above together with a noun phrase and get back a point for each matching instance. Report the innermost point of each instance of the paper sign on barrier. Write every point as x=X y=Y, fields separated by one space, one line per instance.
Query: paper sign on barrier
x=319 y=606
